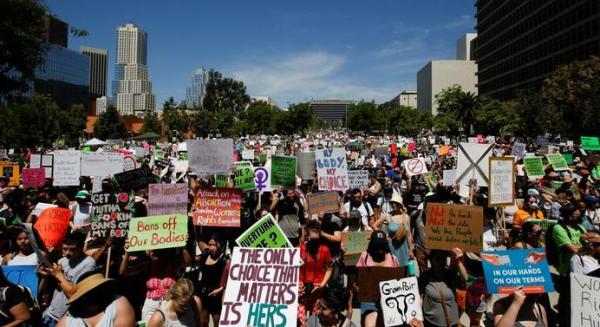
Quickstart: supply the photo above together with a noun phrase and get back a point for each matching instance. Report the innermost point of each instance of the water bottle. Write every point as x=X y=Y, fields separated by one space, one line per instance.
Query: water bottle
x=411 y=268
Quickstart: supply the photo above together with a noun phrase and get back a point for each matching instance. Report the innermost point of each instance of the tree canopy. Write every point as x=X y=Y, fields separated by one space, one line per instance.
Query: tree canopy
x=110 y=125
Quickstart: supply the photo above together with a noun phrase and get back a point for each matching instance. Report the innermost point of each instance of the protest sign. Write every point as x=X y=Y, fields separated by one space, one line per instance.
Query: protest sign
x=381 y=151
x=354 y=244
x=222 y=180
x=11 y=171
x=443 y=150
x=518 y=150
x=358 y=179
x=67 y=167
x=452 y=226
x=400 y=301
x=585 y=299
x=569 y=157
x=111 y=214
x=34 y=177
x=557 y=161
x=534 y=167
x=502 y=182
x=507 y=270
x=135 y=179
x=472 y=164
x=52 y=226
x=262 y=288
x=283 y=171
x=41 y=206
x=544 y=223
x=210 y=157
x=332 y=169
x=368 y=277
x=45 y=161
x=248 y=154
x=157 y=232
x=219 y=207
x=306 y=164
x=128 y=163
x=262 y=178
x=265 y=233
x=166 y=199
x=449 y=177
x=415 y=166
x=101 y=164
x=23 y=275
x=323 y=202
x=243 y=177
x=590 y=143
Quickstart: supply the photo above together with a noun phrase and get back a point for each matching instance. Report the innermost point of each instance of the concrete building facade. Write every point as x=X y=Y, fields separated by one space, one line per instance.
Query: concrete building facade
x=407 y=98
x=334 y=112
x=197 y=90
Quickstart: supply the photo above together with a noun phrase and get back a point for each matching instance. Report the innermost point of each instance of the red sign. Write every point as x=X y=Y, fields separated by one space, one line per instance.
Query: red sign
x=34 y=177
x=219 y=207
x=52 y=226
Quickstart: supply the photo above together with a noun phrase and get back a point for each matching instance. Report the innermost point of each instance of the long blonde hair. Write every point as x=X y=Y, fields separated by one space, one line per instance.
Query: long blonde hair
x=183 y=288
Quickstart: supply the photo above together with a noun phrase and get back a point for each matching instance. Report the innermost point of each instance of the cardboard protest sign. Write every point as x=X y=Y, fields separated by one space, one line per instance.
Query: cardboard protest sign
x=332 y=169
x=507 y=270
x=218 y=207
x=585 y=297
x=534 y=167
x=358 y=179
x=12 y=172
x=452 y=226
x=243 y=177
x=449 y=177
x=135 y=179
x=400 y=301
x=415 y=166
x=157 y=232
x=210 y=157
x=166 y=199
x=323 y=202
x=518 y=150
x=52 y=226
x=111 y=213
x=590 y=143
x=502 y=182
x=265 y=233
x=557 y=161
x=101 y=164
x=354 y=244
x=368 y=277
x=283 y=171
x=34 y=177
x=472 y=163
x=67 y=168
x=262 y=288
x=23 y=275
x=262 y=178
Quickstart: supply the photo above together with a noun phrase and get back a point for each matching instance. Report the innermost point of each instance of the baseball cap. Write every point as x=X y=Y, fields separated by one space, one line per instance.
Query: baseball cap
x=378 y=237
x=82 y=195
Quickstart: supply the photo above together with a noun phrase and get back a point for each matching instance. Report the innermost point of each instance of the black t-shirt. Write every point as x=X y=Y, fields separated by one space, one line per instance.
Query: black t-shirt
x=9 y=296
x=330 y=226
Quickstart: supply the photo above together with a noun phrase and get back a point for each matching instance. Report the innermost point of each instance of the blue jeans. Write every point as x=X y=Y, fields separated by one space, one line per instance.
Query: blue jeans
x=48 y=321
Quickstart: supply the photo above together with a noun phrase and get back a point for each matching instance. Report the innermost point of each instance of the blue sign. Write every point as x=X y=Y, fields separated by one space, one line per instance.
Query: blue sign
x=507 y=270
x=25 y=276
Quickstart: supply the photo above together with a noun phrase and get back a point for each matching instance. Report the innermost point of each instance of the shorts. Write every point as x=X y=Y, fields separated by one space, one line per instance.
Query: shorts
x=367 y=307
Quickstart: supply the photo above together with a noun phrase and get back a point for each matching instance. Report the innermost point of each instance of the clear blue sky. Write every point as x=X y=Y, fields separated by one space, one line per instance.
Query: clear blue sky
x=292 y=51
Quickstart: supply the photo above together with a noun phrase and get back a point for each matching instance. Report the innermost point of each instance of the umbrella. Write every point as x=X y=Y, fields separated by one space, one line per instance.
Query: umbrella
x=95 y=141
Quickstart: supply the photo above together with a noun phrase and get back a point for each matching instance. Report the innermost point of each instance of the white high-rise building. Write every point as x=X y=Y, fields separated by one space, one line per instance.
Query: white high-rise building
x=195 y=93
x=132 y=89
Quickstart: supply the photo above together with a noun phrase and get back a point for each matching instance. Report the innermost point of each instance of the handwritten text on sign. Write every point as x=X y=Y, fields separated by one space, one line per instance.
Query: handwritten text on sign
x=157 y=232
x=585 y=300
x=332 y=169
x=111 y=214
x=262 y=289
x=400 y=301
x=219 y=207
x=501 y=181
x=452 y=226
x=165 y=199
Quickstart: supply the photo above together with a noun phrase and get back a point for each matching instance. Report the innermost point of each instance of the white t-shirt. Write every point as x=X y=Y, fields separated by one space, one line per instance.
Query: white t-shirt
x=583 y=264
x=365 y=211
x=81 y=213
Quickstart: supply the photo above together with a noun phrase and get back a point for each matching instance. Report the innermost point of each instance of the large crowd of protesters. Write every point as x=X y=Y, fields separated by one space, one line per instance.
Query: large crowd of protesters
x=92 y=281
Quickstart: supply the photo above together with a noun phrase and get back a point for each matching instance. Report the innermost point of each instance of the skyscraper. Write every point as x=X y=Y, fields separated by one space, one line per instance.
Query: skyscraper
x=98 y=70
x=132 y=90
x=195 y=93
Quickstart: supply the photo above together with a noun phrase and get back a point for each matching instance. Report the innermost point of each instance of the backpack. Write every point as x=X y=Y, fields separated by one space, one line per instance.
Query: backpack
x=551 y=249
x=30 y=302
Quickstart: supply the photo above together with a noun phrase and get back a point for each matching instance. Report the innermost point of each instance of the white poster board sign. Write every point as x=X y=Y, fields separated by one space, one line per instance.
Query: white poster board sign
x=585 y=298
x=358 y=179
x=473 y=164
x=248 y=154
x=101 y=164
x=210 y=157
x=332 y=169
x=415 y=166
x=67 y=167
x=518 y=150
x=502 y=181
x=449 y=178
x=400 y=301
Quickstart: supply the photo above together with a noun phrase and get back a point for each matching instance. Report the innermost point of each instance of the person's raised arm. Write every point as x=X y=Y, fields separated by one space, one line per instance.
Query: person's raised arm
x=509 y=317
x=67 y=287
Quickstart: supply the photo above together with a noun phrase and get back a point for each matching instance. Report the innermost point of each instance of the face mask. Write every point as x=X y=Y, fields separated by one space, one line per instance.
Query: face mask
x=533 y=205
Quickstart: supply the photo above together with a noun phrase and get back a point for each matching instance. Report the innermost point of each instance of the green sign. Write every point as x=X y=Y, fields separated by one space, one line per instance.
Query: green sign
x=221 y=181
x=557 y=161
x=265 y=233
x=590 y=143
x=544 y=223
x=568 y=157
x=157 y=232
x=355 y=243
x=244 y=176
x=534 y=167
x=556 y=185
x=283 y=171
x=87 y=149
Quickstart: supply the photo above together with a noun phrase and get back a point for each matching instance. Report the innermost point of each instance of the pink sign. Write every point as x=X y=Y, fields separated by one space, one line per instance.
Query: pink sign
x=480 y=138
x=166 y=199
x=34 y=177
x=411 y=146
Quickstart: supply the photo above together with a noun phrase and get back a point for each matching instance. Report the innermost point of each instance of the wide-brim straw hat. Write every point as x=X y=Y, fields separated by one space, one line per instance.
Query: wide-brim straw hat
x=87 y=285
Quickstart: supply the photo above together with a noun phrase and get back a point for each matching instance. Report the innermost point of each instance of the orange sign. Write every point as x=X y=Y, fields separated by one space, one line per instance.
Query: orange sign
x=52 y=226
x=11 y=171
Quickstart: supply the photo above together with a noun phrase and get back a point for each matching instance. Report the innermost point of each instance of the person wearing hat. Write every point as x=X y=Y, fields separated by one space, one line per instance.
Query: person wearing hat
x=397 y=226
x=586 y=259
x=81 y=213
x=94 y=304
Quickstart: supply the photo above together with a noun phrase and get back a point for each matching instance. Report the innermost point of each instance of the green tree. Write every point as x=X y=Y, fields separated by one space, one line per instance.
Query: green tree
x=36 y=121
x=534 y=118
x=494 y=117
x=21 y=48
x=151 y=124
x=177 y=120
x=446 y=124
x=459 y=105
x=365 y=116
x=260 y=117
x=405 y=120
x=303 y=115
x=72 y=124
x=225 y=94
x=110 y=125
